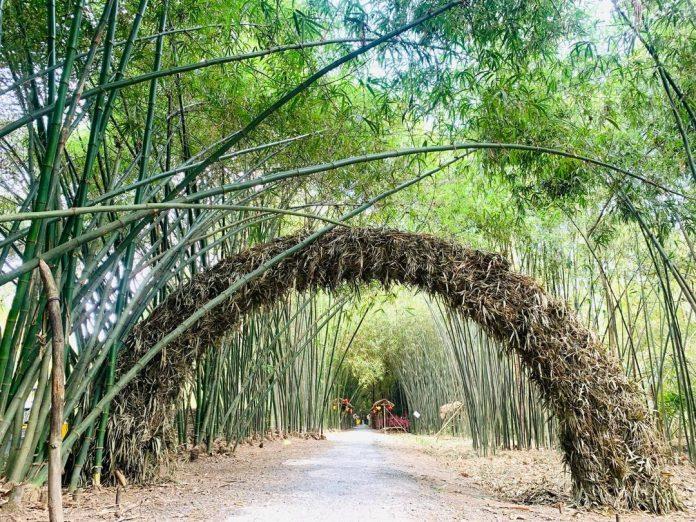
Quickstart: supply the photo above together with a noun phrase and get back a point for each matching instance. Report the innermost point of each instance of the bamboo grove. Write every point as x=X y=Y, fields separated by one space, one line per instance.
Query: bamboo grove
x=142 y=142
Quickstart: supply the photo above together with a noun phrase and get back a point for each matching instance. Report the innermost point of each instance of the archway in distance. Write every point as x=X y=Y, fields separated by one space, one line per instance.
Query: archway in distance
x=609 y=442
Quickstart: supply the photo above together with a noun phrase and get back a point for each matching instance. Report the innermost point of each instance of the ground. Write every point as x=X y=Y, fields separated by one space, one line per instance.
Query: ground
x=356 y=474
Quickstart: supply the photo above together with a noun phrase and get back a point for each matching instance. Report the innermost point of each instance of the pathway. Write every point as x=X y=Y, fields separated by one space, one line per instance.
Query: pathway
x=351 y=479
x=358 y=474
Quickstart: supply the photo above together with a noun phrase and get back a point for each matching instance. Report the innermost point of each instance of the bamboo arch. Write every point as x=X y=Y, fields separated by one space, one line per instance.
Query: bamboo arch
x=609 y=442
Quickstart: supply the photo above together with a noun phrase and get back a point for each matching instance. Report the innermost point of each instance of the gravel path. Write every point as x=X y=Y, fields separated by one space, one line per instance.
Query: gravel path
x=351 y=480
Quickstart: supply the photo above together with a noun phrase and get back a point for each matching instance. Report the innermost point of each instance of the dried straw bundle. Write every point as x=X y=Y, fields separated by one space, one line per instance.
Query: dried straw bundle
x=610 y=444
x=451 y=408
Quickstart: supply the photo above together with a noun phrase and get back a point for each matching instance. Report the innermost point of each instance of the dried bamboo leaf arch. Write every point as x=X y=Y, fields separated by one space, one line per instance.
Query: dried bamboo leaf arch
x=607 y=435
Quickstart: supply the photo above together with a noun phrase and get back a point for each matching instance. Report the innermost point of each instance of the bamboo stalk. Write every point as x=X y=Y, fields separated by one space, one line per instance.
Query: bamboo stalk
x=55 y=465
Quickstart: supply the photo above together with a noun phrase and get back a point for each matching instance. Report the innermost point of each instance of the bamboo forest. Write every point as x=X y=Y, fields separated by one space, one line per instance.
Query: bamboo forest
x=343 y=259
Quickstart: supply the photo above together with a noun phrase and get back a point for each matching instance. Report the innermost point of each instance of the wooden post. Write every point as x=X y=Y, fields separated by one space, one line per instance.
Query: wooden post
x=55 y=465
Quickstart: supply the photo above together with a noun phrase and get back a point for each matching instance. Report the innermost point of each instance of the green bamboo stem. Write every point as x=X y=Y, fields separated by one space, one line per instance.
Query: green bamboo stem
x=78 y=211
x=123 y=289
x=45 y=182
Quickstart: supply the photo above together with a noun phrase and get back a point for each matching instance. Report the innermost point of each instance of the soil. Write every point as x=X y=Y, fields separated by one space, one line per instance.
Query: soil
x=354 y=474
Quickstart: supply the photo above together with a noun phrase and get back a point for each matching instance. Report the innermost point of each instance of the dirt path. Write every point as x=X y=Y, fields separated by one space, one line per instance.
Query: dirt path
x=357 y=474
